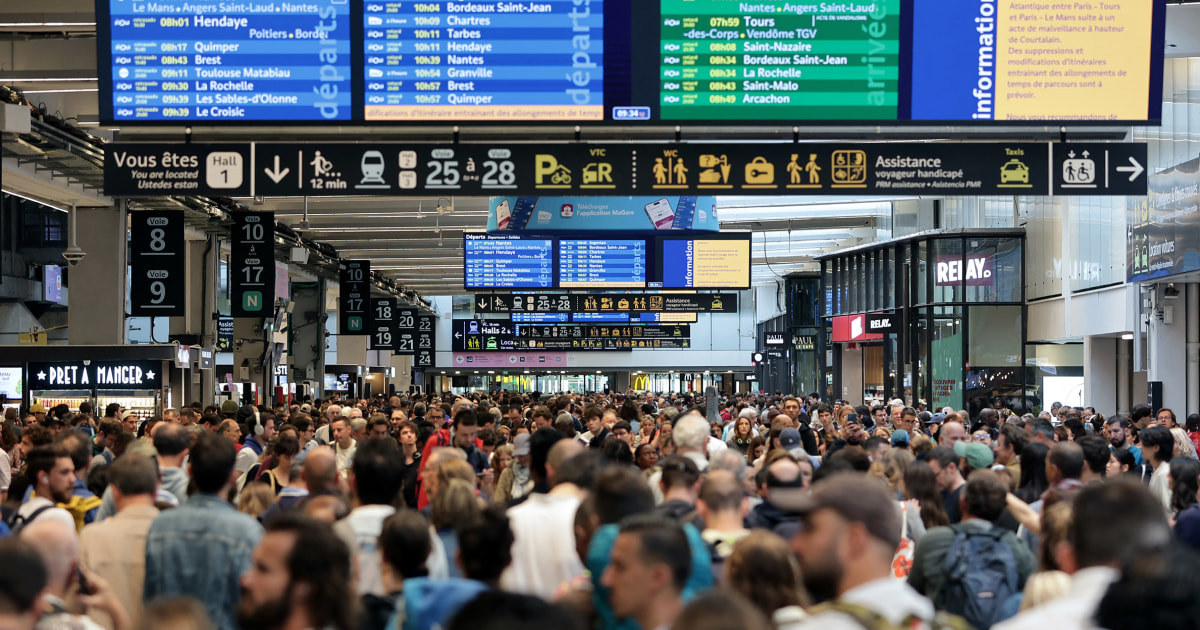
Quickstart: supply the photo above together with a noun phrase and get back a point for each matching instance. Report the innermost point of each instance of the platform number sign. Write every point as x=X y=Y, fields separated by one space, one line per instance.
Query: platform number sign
x=383 y=324
x=354 y=300
x=406 y=331
x=426 y=341
x=252 y=265
x=156 y=264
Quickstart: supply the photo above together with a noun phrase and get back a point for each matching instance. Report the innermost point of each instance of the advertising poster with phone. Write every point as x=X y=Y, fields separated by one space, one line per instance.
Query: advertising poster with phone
x=551 y=214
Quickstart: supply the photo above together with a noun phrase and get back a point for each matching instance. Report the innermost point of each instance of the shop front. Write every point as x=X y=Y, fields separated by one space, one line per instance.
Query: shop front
x=937 y=319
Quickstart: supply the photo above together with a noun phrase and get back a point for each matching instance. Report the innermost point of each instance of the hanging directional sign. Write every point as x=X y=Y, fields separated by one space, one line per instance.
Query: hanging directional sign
x=607 y=303
x=426 y=341
x=252 y=265
x=1100 y=169
x=383 y=324
x=156 y=264
x=406 y=331
x=354 y=313
x=396 y=169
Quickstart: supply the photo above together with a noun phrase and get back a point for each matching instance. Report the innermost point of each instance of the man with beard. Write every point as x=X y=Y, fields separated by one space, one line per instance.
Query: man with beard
x=851 y=434
x=52 y=473
x=1118 y=436
x=300 y=578
x=850 y=535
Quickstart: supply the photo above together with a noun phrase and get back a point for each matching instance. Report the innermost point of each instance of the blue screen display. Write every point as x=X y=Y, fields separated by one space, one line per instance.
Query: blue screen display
x=508 y=263
x=601 y=263
x=230 y=61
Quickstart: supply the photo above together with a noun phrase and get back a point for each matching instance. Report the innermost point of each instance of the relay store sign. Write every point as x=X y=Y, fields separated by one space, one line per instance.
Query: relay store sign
x=976 y=270
x=102 y=375
x=853 y=329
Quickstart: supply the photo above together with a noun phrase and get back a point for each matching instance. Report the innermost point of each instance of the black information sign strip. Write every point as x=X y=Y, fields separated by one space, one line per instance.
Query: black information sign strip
x=133 y=170
x=156 y=264
x=96 y=375
x=608 y=303
x=383 y=324
x=398 y=169
x=1100 y=169
x=406 y=331
x=426 y=341
x=885 y=323
x=252 y=265
x=471 y=335
x=354 y=297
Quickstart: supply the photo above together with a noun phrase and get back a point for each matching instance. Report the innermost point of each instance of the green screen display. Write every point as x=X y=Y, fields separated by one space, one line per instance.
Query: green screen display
x=777 y=60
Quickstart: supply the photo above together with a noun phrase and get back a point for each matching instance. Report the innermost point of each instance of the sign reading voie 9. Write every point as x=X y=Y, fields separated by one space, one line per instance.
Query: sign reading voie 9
x=156 y=261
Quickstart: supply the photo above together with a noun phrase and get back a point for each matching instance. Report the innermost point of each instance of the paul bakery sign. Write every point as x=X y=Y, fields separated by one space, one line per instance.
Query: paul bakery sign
x=101 y=375
x=976 y=270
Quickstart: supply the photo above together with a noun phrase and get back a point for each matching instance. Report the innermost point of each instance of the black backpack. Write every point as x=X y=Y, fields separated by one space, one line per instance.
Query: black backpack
x=16 y=522
x=981 y=574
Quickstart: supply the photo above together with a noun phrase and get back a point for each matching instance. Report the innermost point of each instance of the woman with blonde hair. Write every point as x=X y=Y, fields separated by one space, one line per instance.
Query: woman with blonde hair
x=763 y=570
x=256 y=497
x=891 y=468
x=455 y=505
x=1183 y=444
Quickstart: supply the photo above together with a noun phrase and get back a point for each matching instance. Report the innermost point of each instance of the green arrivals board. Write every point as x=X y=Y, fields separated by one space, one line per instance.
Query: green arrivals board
x=779 y=60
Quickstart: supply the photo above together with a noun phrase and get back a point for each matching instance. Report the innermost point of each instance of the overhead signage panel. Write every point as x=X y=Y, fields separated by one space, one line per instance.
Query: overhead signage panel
x=354 y=297
x=659 y=173
x=406 y=331
x=514 y=214
x=383 y=324
x=472 y=335
x=167 y=62
x=252 y=265
x=156 y=264
x=507 y=263
x=1164 y=227
x=608 y=303
x=630 y=62
x=426 y=342
x=95 y=375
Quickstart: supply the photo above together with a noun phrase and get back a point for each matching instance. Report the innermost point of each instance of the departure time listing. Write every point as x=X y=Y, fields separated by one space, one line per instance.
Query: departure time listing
x=487 y=61
x=779 y=59
x=231 y=61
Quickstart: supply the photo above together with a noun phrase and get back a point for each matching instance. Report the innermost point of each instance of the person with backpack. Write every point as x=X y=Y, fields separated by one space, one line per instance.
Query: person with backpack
x=970 y=569
x=52 y=474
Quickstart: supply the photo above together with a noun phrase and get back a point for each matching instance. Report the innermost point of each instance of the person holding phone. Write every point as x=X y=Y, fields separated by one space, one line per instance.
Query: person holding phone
x=58 y=546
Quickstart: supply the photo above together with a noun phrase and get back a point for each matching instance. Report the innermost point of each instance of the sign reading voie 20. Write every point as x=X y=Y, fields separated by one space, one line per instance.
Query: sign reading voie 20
x=102 y=375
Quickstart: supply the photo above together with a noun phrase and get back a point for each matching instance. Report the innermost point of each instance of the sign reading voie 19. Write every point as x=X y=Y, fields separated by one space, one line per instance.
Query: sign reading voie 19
x=95 y=375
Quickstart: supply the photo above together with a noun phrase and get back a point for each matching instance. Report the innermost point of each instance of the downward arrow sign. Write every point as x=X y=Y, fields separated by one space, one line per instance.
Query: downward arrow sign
x=1135 y=170
x=277 y=175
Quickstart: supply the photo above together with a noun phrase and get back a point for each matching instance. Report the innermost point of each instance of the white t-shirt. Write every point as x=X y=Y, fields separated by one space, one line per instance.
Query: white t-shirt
x=543 y=551
x=345 y=457
x=55 y=513
x=360 y=531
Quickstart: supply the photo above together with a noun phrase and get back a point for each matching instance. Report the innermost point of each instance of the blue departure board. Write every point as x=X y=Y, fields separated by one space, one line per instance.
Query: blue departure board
x=604 y=263
x=507 y=263
x=539 y=60
x=230 y=61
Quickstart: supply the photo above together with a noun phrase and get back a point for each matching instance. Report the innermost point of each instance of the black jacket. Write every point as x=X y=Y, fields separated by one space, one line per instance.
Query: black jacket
x=769 y=517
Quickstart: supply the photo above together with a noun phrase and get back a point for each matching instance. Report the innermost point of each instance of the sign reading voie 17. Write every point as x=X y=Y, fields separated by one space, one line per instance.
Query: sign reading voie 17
x=96 y=375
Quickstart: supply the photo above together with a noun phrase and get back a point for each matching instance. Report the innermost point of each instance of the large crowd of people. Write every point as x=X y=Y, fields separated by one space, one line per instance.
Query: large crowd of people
x=608 y=511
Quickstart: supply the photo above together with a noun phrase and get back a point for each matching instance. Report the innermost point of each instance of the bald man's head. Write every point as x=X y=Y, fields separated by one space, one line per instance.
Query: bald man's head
x=59 y=547
x=559 y=453
x=320 y=469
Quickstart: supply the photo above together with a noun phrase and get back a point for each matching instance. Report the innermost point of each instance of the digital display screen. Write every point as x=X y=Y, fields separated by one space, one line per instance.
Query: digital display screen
x=482 y=60
x=227 y=61
x=10 y=382
x=52 y=284
x=630 y=61
x=706 y=263
x=601 y=263
x=614 y=261
x=507 y=263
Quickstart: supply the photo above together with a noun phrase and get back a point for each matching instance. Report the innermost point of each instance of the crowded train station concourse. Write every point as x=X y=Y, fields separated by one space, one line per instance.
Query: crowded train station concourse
x=599 y=315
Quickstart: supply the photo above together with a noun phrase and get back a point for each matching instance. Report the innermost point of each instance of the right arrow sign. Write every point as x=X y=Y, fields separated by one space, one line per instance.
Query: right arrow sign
x=1099 y=168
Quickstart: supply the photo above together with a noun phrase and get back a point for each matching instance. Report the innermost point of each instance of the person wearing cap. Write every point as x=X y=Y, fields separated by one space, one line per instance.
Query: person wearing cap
x=229 y=408
x=983 y=502
x=783 y=480
x=900 y=439
x=516 y=482
x=850 y=533
x=39 y=413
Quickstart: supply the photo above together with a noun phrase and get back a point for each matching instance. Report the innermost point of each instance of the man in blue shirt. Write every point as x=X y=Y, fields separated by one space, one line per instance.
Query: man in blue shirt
x=201 y=548
x=1118 y=436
